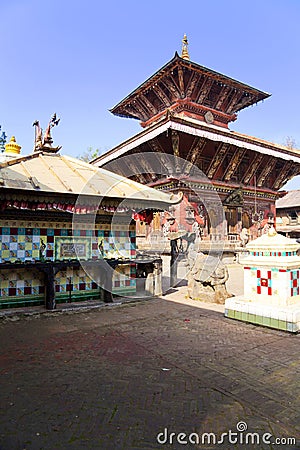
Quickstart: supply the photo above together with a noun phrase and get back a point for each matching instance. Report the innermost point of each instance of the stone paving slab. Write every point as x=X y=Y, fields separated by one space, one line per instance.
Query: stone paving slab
x=115 y=377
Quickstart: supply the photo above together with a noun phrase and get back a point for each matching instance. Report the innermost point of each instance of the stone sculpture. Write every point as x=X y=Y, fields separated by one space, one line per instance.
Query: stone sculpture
x=207 y=278
x=244 y=237
x=45 y=142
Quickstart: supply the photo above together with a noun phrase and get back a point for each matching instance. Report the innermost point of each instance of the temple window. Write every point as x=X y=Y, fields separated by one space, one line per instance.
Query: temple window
x=293 y=216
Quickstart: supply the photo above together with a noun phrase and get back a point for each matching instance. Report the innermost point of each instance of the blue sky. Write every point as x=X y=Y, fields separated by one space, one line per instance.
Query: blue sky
x=79 y=59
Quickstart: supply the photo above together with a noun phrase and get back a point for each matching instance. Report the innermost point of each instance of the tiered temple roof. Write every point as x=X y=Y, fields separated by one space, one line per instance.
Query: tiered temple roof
x=184 y=86
x=185 y=109
x=224 y=156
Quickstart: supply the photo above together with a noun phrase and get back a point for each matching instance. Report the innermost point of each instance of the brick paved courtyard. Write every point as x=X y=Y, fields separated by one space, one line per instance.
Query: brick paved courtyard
x=115 y=377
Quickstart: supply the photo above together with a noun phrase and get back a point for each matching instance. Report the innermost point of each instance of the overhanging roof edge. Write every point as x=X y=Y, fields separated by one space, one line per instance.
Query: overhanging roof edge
x=212 y=135
x=121 y=151
x=175 y=57
x=233 y=141
x=192 y=64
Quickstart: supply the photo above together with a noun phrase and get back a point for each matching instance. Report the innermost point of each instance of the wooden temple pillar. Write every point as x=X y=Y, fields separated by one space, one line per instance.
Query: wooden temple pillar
x=50 y=271
x=101 y=272
x=106 y=291
x=239 y=219
x=173 y=262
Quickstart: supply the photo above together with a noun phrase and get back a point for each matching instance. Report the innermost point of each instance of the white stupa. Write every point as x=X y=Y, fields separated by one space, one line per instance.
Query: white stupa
x=271 y=284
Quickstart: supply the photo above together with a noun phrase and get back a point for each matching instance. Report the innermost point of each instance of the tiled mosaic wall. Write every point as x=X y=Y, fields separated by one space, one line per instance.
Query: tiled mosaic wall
x=294 y=282
x=17 y=283
x=264 y=282
x=124 y=279
x=23 y=241
x=271 y=282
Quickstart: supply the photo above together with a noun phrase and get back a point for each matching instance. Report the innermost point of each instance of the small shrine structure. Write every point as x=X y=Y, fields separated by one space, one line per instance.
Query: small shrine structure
x=271 y=284
x=66 y=228
x=288 y=214
x=185 y=110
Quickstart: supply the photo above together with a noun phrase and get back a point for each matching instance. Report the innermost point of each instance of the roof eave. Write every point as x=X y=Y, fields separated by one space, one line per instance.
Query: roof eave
x=175 y=57
x=261 y=95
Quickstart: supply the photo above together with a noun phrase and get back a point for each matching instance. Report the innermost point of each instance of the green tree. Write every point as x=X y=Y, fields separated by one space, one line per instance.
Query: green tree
x=89 y=154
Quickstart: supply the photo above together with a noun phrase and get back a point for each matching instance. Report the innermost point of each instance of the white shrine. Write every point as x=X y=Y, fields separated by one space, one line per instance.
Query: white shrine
x=271 y=284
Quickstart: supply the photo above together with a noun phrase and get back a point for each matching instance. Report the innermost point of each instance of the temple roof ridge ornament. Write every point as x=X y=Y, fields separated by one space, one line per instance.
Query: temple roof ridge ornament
x=44 y=142
x=12 y=146
x=190 y=89
x=184 y=51
x=11 y=152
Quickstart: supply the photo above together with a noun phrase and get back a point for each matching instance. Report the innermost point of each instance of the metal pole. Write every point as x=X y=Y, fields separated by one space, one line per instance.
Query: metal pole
x=173 y=263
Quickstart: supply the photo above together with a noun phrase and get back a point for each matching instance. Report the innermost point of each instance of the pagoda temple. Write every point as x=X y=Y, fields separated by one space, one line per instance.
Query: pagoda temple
x=185 y=110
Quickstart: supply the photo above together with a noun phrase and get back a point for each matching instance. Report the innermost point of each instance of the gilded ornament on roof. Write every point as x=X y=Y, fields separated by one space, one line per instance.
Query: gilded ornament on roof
x=12 y=146
x=44 y=143
x=184 y=51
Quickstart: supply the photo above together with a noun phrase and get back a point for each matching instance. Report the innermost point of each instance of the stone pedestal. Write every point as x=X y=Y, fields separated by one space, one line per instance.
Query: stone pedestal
x=153 y=283
x=271 y=284
x=149 y=275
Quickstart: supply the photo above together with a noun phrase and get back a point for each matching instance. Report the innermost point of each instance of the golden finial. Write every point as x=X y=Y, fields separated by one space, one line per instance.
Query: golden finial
x=12 y=146
x=184 y=51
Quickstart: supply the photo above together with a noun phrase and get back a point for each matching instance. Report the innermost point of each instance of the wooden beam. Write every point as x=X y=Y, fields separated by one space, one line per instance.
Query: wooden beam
x=252 y=168
x=163 y=160
x=137 y=166
x=295 y=170
x=243 y=101
x=194 y=154
x=155 y=146
x=204 y=91
x=146 y=164
x=175 y=146
x=132 y=111
x=175 y=142
x=194 y=78
x=150 y=106
x=162 y=96
x=142 y=108
x=236 y=97
x=291 y=171
x=283 y=175
x=113 y=166
x=266 y=172
x=197 y=87
x=140 y=177
x=181 y=82
x=223 y=94
x=172 y=87
x=175 y=83
x=119 y=166
x=234 y=162
x=217 y=159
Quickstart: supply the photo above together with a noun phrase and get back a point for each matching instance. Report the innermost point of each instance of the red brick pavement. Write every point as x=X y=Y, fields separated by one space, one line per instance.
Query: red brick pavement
x=115 y=377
